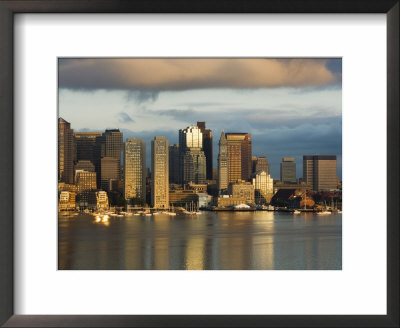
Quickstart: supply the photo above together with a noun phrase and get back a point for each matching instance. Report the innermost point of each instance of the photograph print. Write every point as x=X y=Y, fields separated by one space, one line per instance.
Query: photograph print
x=199 y=163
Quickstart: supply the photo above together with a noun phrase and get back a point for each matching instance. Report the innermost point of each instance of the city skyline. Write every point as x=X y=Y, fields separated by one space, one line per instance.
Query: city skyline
x=290 y=107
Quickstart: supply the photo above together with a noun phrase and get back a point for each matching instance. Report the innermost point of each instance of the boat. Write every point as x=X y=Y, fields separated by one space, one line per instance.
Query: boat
x=324 y=213
x=296 y=212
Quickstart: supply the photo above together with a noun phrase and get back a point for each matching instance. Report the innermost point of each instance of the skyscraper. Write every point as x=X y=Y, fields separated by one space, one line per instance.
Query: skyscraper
x=174 y=164
x=109 y=145
x=110 y=174
x=192 y=161
x=223 y=173
x=135 y=169
x=319 y=171
x=207 y=148
x=239 y=156
x=260 y=164
x=65 y=152
x=85 y=145
x=159 y=171
x=85 y=166
x=112 y=144
x=288 y=170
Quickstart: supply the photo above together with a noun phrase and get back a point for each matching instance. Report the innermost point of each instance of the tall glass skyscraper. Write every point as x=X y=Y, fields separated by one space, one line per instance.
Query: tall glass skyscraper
x=159 y=171
x=207 y=148
x=134 y=169
x=223 y=163
x=192 y=161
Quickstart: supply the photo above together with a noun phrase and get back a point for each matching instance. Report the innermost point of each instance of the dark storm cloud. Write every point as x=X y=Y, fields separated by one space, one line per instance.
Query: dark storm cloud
x=157 y=75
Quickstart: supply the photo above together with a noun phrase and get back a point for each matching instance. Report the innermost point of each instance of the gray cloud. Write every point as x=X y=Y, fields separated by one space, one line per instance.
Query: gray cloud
x=139 y=96
x=146 y=74
x=124 y=118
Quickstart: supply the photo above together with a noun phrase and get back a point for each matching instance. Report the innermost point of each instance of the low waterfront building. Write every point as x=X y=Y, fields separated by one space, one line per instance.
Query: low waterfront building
x=66 y=201
x=102 y=200
x=242 y=189
x=278 y=185
x=197 y=187
x=183 y=197
x=229 y=201
x=205 y=200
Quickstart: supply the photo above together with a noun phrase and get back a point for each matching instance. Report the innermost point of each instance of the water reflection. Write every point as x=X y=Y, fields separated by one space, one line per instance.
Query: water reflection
x=211 y=241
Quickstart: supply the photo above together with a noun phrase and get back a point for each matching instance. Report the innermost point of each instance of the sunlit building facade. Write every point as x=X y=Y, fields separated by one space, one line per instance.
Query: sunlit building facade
x=66 y=201
x=263 y=187
x=160 y=172
x=242 y=189
x=85 y=182
x=223 y=160
x=135 y=169
x=239 y=156
x=192 y=159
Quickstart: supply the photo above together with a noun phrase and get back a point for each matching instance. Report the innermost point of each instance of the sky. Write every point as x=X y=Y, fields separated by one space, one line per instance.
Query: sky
x=291 y=107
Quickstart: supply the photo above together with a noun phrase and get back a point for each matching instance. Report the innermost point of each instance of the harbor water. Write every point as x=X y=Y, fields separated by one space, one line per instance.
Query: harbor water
x=210 y=241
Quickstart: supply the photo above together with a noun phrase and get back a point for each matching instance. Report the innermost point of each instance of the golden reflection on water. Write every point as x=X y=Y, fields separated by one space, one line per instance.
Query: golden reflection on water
x=227 y=241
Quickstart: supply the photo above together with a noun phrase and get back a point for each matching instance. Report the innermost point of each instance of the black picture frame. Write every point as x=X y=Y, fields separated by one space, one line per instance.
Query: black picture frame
x=10 y=7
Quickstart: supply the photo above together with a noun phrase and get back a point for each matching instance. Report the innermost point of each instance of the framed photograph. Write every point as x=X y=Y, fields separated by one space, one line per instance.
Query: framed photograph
x=166 y=166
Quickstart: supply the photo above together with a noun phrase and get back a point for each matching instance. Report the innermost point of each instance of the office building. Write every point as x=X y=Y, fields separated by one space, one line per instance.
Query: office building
x=85 y=183
x=110 y=174
x=260 y=164
x=174 y=164
x=320 y=171
x=84 y=165
x=207 y=148
x=159 y=171
x=288 y=170
x=263 y=187
x=135 y=169
x=239 y=156
x=223 y=173
x=192 y=160
x=85 y=143
x=194 y=166
x=66 y=152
